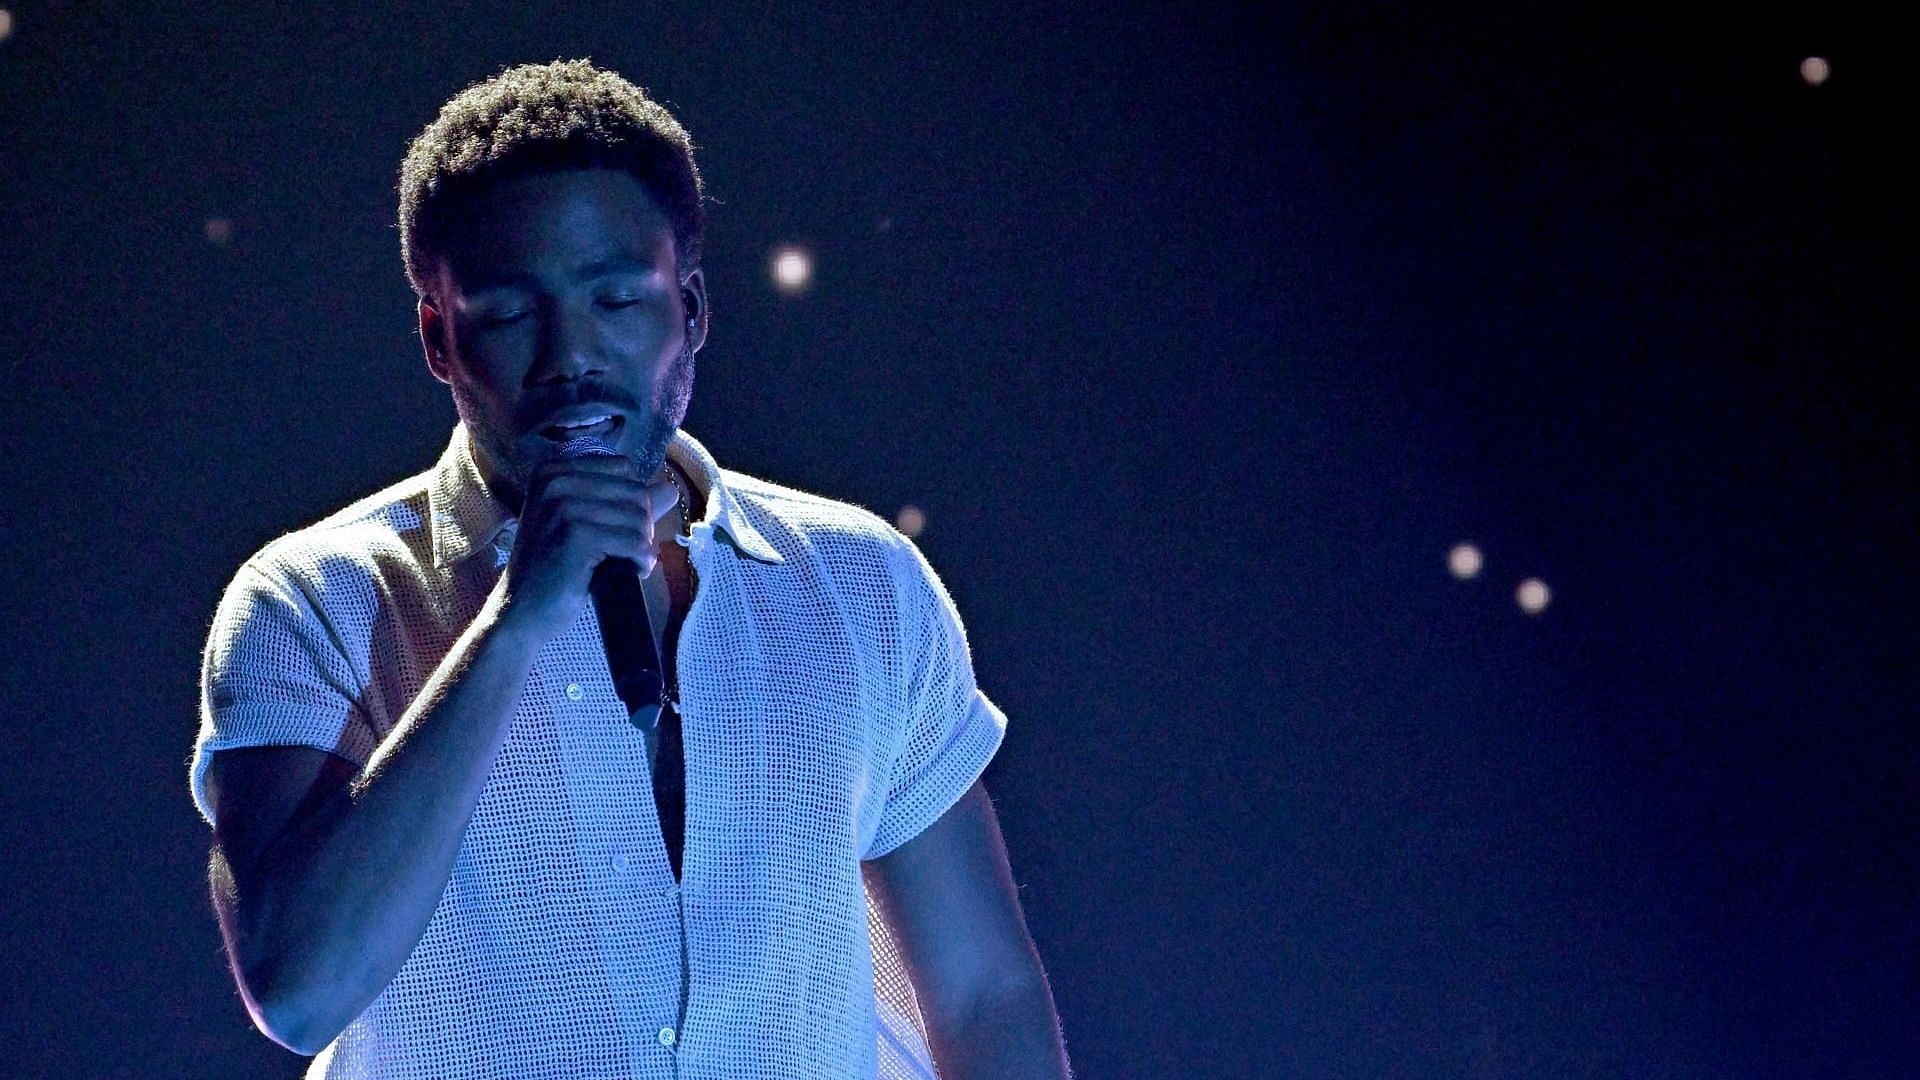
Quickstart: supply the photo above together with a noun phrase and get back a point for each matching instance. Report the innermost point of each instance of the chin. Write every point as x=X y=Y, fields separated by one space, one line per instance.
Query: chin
x=646 y=443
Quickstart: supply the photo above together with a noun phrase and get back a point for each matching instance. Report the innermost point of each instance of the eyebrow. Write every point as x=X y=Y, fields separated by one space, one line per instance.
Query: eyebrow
x=613 y=264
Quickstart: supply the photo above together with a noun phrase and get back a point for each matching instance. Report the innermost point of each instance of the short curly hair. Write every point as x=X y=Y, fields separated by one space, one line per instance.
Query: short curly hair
x=537 y=118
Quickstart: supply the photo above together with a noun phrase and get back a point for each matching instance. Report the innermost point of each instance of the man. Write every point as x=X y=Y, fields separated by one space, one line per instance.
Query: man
x=443 y=843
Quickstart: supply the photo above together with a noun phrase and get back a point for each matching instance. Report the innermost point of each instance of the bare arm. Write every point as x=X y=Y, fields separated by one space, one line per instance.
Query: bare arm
x=324 y=880
x=948 y=895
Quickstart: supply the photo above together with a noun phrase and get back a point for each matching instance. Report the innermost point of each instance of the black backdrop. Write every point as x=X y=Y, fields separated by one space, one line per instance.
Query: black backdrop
x=1200 y=338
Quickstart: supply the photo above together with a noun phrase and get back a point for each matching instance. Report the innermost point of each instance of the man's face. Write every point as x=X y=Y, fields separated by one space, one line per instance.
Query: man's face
x=556 y=301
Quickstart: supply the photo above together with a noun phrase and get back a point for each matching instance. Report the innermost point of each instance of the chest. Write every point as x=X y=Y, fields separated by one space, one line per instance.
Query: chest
x=673 y=586
x=791 y=709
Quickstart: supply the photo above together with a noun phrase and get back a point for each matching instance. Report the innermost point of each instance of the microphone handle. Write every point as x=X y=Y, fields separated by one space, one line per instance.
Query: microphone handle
x=621 y=607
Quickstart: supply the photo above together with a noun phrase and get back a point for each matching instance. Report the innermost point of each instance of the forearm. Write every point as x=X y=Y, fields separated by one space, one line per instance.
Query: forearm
x=341 y=900
x=1014 y=1035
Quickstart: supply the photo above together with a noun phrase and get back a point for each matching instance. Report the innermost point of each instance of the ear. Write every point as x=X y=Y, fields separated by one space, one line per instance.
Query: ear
x=433 y=340
x=693 y=308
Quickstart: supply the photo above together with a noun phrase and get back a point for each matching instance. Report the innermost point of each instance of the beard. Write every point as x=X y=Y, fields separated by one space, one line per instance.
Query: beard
x=508 y=459
x=654 y=428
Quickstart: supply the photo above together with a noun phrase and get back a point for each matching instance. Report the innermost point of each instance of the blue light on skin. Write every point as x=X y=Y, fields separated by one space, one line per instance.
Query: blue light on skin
x=558 y=288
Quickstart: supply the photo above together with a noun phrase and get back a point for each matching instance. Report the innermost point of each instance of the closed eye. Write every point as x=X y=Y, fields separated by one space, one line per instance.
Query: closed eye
x=501 y=318
x=617 y=302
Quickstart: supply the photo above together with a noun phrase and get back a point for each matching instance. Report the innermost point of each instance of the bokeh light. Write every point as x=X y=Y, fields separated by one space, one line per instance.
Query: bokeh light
x=6 y=24
x=910 y=520
x=219 y=230
x=1815 y=70
x=1465 y=561
x=792 y=269
x=1533 y=596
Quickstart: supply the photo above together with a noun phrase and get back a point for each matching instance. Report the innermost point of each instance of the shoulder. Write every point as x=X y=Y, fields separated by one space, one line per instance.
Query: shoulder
x=801 y=524
x=342 y=555
x=866 y=559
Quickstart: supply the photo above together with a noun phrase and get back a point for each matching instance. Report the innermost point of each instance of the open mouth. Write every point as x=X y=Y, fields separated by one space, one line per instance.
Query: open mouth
x=603 y=428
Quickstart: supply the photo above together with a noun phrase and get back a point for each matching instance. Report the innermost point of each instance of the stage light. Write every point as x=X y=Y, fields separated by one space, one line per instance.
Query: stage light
x=1465 y=561
x=1815 y=70
x=6 y=24
x=219 y=230
x=910 y=520
x=1532 y=596
x=792 y=269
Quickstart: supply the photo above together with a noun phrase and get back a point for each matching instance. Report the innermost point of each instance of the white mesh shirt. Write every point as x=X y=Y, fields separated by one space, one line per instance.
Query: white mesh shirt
x=829 y=715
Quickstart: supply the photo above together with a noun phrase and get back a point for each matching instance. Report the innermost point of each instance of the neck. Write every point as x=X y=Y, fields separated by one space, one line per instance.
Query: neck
x=693 y=500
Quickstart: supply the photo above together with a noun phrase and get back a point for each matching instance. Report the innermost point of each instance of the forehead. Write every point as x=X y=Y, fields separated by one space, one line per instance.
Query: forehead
x=549 y=226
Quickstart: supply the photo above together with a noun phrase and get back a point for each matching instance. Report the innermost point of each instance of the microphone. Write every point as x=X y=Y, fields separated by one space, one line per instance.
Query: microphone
x=621 y=607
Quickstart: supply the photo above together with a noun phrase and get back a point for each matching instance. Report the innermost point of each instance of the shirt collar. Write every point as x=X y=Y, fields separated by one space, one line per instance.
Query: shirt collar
x=467 y=517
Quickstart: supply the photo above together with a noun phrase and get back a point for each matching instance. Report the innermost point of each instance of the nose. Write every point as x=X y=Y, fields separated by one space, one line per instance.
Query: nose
x=569 y=346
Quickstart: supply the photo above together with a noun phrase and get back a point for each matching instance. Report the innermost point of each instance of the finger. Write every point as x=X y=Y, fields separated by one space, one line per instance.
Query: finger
x=613 y=512
x=600 y=464
x=665 y=497
x=600 y=485
x=621 y=496
x=617 y=538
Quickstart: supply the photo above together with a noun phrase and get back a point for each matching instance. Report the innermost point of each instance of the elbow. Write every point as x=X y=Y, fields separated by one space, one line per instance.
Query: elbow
x=1021 y=992
x=290 y=1032
x=300 y=992
x=286 y=1012
x=281 y=977
x=284 y=992
x=1007 y=1029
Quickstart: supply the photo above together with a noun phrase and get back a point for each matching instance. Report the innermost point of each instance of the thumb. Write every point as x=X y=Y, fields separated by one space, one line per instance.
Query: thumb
x=665 y=498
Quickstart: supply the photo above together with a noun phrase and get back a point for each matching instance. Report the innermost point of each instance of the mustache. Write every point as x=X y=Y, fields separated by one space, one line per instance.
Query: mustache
x=532 y=410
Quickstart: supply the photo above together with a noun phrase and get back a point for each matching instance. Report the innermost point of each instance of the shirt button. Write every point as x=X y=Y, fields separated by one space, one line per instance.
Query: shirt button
x=670 y=892
x=667 y=1036
x=619 y=863
x=574 y=693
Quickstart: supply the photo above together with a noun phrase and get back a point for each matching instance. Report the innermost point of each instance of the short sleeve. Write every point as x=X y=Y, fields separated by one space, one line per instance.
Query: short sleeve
x=273 y=674
x=951 y=730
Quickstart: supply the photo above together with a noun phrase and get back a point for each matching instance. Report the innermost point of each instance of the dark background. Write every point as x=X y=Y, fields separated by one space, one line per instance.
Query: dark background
x=1201 y=338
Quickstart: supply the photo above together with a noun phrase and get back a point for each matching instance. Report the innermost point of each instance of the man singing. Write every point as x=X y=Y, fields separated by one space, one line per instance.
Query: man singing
x=447 y=844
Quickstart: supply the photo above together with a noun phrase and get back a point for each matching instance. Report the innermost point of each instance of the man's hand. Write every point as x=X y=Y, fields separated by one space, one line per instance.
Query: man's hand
x=325 y=879
x=579 y=512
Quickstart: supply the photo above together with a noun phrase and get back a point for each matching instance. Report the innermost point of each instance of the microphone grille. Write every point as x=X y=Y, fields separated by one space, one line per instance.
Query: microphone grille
x=585 y=446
